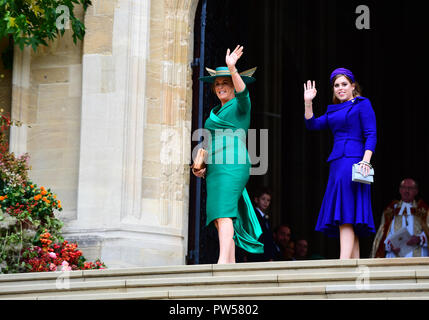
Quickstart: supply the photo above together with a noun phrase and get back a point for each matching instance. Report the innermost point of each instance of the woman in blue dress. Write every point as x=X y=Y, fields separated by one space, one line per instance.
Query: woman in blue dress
x=346 y=207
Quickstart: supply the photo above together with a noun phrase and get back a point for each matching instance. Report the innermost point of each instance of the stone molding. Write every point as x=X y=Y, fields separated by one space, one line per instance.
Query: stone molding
x=135 y=109
x=21 y=88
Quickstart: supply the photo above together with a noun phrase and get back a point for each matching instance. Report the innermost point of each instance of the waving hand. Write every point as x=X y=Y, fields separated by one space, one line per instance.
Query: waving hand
x=309 y=91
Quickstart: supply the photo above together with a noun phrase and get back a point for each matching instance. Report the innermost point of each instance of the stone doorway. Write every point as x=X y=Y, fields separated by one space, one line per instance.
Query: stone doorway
x=290 y=42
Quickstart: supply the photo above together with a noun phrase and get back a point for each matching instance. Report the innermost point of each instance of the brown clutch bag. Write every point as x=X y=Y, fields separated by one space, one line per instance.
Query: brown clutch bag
x=200 y=160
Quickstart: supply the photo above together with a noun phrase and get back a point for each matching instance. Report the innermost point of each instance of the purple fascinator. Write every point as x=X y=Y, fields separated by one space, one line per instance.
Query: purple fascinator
x=342 y=71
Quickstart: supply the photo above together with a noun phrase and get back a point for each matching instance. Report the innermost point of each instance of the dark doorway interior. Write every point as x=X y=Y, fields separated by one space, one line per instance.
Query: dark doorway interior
x=293 y=41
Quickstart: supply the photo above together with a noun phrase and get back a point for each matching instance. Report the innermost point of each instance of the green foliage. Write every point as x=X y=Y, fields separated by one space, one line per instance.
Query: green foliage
x=25 y=212
x=34 y=22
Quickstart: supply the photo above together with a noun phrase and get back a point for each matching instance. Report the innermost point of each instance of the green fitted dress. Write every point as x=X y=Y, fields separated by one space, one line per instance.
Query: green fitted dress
x=228 y=170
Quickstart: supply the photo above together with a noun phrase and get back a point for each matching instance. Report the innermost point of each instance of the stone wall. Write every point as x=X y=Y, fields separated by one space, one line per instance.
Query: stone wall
x=110 y=128
x=47 y=96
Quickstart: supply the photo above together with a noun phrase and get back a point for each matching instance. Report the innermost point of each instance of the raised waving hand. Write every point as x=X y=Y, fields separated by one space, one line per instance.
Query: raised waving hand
x=231 y=59
x=309 y=94
x=309 y=91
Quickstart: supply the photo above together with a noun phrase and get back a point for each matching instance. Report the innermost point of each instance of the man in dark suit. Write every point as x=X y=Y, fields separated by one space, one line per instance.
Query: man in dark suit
x=262 y=202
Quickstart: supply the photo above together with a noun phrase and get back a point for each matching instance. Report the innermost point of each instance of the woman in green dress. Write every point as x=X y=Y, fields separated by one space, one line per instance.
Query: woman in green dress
x=228 y=204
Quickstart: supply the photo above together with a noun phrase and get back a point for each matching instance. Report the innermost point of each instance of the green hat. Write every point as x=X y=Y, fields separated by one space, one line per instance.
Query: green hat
x=224 y=72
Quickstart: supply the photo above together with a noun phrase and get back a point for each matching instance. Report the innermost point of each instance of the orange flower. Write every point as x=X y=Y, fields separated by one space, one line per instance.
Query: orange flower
x=1 y=198
x=44 y=192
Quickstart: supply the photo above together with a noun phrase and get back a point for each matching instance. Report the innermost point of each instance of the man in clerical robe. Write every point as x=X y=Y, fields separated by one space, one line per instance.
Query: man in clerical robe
x=406 y=213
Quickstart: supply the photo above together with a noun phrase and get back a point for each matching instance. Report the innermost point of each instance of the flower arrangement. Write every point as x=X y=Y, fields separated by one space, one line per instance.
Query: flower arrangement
x=30 y=233
x=51 y=256
x=4 y=127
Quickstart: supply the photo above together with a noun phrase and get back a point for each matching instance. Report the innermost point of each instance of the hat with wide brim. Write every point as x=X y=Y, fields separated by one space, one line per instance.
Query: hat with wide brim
x=224 y=72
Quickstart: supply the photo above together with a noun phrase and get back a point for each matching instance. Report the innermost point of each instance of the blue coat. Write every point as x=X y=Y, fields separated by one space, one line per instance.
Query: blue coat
x=353 y=125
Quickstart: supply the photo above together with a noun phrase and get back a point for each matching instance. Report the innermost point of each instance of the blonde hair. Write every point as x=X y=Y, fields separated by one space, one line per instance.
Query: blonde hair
x=357 y=92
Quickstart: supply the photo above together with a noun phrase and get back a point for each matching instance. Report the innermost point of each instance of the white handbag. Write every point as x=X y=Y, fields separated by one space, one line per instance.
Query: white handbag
x=359 y=177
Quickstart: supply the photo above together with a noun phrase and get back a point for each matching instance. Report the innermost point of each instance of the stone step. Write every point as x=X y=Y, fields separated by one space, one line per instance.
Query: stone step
x=381 y=291
x=373 y=292
x=287 y=267
x=321 y=279
x=62 y=288
x=349 y=276
x=321 y=266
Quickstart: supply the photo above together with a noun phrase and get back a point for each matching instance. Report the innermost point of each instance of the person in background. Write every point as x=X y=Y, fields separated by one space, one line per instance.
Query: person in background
x=262 y=201
x=406 y=213
x=289 y=252
x=301 y=249
x=282 y=237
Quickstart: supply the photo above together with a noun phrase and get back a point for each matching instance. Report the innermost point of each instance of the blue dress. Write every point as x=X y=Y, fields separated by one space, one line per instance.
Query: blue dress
x=353 y=125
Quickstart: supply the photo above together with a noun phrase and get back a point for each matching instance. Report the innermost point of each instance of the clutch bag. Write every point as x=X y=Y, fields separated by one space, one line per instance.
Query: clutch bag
x=200 y=159
x=359 y=177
